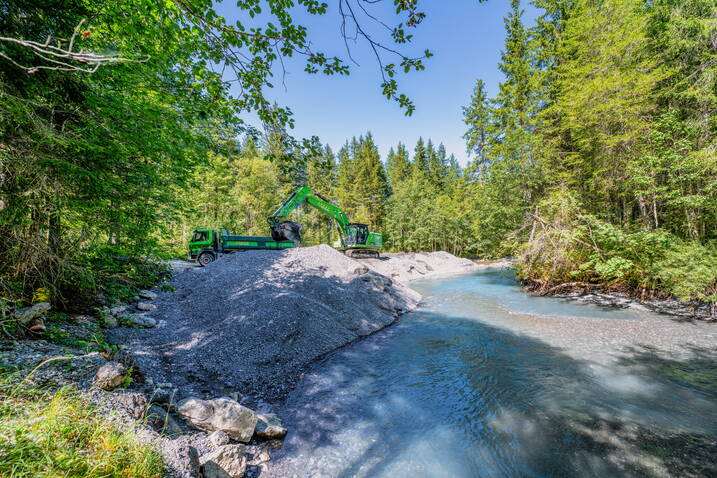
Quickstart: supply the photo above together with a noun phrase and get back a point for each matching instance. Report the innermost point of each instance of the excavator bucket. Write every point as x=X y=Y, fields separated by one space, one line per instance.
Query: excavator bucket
x=287 y=231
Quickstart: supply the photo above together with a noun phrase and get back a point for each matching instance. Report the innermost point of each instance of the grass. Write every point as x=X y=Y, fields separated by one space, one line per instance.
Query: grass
x=58 y=434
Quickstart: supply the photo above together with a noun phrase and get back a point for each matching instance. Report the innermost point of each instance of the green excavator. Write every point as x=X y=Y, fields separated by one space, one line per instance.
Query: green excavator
x=355 y=240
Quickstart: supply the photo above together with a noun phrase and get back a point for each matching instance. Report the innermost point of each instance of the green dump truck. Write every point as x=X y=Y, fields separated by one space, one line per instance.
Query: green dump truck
x=207 y=244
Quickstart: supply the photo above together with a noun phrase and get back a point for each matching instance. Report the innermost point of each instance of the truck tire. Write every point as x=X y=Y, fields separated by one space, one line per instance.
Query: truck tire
x=205 y=258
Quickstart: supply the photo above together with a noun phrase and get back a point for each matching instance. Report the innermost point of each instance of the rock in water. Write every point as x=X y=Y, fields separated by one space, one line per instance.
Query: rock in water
x=25 y=316
x=227 y=461
x=110 y=376
x=219 y=414
x=269 y=427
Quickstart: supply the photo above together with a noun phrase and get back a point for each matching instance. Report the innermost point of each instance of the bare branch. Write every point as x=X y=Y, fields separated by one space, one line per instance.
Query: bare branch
x=64 y=58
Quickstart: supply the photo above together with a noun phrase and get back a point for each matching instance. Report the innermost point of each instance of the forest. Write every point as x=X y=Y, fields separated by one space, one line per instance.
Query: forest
x=595 y=163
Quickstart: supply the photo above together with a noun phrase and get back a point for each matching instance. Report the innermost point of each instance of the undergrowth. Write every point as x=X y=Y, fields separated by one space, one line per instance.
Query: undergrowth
x=47 y=434
x=568 y=245
x=103 y=274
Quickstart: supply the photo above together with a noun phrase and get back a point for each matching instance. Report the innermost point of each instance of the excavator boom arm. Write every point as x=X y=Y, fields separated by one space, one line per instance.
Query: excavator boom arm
x=306 y=195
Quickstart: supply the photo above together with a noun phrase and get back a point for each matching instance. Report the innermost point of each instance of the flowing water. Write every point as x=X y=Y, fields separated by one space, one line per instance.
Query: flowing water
x=485 y=380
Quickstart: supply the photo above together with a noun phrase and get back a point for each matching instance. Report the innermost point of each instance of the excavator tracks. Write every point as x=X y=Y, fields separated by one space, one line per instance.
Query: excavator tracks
x=362 y=253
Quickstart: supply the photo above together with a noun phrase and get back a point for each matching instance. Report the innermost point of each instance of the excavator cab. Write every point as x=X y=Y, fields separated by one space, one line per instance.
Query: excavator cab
x=356 y=234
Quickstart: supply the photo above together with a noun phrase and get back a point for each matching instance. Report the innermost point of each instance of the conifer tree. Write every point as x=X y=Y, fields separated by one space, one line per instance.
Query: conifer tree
x=398 y=164
x=420 y=158
x=477 y=116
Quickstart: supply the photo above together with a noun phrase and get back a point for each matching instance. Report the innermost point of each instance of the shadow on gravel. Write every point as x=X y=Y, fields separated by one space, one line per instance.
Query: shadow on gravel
x=251 y=322
x=448 y=396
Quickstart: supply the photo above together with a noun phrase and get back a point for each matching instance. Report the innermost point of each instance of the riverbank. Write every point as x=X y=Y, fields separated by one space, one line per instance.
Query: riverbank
x=607 y=296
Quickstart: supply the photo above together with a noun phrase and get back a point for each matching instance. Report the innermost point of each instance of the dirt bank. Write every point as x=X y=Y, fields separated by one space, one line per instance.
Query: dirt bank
x=252 y=321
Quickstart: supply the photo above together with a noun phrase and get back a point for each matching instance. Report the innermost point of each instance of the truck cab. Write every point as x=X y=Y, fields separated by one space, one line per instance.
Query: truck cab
x=204 y=246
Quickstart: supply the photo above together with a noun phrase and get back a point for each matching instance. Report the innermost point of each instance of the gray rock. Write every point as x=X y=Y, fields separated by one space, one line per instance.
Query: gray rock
x=227 y=461
x=145 y=306
x=163 y=422
x=119 y=310
x=25 y=316
x=110 y=376
x=147 y=294
x=140 y=320
x=134 y=402
x=219 y=438
x=360 y=270
x=269 y=427
x=219 y=414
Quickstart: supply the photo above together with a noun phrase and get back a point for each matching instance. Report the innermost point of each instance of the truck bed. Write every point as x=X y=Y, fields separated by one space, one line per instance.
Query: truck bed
x=232 y=243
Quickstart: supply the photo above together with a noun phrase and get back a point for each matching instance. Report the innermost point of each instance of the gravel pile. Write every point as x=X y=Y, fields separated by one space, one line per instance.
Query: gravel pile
x=252 y=321
x=407 y=266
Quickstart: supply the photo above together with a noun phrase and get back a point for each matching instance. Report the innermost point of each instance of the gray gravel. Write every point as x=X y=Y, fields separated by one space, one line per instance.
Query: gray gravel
x=408 y=266
x=252 y=321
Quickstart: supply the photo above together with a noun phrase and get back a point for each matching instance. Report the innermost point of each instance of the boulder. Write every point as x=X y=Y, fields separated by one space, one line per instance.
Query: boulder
x=25 y=316
x=110 y=376
x=219 y=438
x=147 y=294
x=227 y=461
x=222 y=414
x=269 y=427
x=145 y=306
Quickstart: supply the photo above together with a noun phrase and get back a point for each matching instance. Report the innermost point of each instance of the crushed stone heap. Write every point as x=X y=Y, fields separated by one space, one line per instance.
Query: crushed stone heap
x=252 y=321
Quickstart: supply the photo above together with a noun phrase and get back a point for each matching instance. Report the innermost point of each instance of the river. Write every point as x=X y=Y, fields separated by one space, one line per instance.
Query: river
x=484 y=380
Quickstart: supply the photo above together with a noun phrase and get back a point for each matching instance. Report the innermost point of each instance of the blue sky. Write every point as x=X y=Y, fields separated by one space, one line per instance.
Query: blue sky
x=466 y=38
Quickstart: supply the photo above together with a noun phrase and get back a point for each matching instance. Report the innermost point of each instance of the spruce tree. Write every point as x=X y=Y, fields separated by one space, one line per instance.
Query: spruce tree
x=477 y=116
x=398 y=164
x=420 y=158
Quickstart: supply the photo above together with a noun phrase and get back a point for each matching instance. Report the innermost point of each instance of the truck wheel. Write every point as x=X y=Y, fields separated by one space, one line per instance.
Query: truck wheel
x=205 y=258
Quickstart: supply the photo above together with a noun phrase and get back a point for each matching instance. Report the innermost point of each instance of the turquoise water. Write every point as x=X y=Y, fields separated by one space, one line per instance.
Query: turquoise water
x=450 y=392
